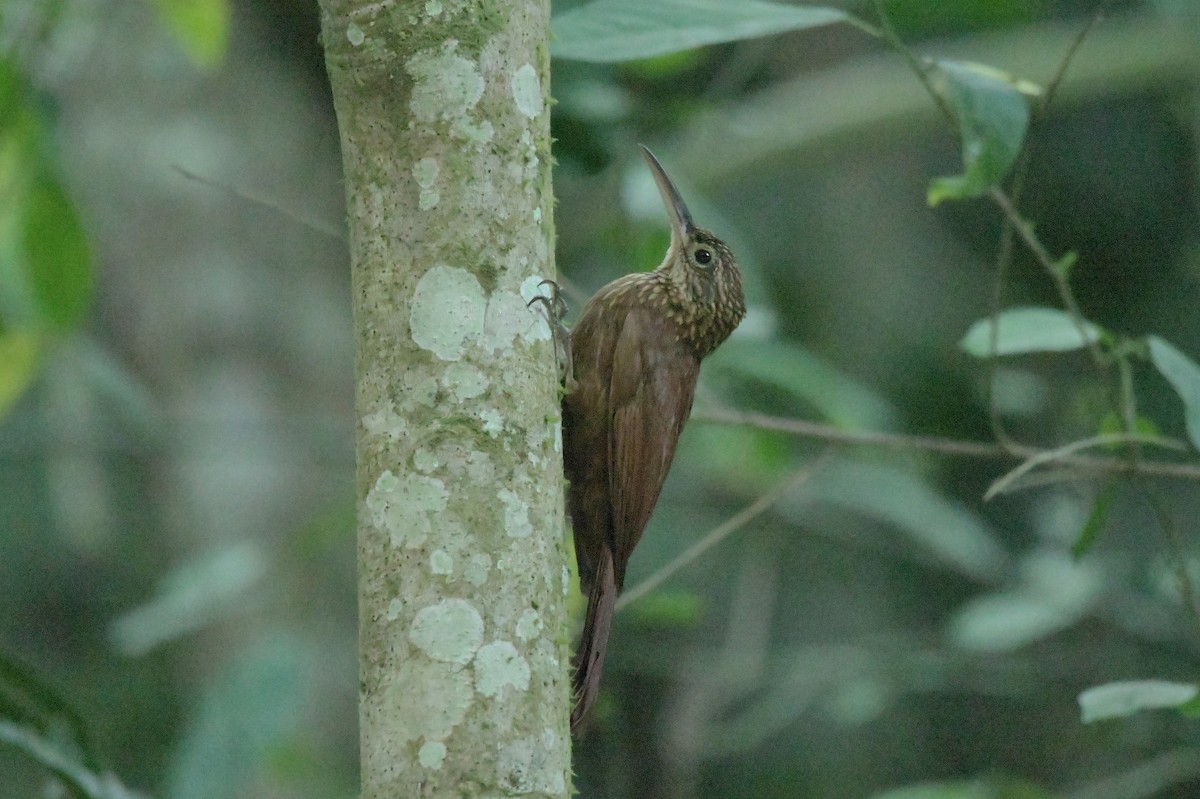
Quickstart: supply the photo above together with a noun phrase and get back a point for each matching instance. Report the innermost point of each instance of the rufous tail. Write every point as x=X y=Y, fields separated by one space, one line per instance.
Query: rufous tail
x=593 y=643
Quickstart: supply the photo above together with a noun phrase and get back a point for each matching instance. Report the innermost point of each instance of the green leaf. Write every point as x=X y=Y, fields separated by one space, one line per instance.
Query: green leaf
x=1024 y=330
x=1053 y=593
x=991 y=115
x=1184 y=376
x=20 y=353
x=45 y=272
x=190 y=597
x=1096 y=520
x=1114 y=425
x=625 y=30
x=200 y=26
x=1119 y=699
x=56 y=251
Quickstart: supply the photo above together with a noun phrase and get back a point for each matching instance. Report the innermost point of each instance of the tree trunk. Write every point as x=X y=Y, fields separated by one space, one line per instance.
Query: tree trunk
x=446 y=149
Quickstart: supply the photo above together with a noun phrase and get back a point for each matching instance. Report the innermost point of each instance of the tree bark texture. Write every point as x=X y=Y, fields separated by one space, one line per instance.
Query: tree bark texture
x=462 y=584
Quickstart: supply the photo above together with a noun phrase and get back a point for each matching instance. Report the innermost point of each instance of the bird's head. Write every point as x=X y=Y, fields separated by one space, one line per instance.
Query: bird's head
x=700 y=267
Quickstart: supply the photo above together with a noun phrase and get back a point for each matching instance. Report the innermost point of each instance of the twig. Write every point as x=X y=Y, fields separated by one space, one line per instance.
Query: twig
x=725 y=529
x=1047 y=262
x=922 y=70
x=1004 y=252
x=320 y=227
x=1003 y=483
x=981 y=450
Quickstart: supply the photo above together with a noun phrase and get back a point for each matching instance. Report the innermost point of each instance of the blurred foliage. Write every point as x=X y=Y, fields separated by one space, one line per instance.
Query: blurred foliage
x=176 y=446
x=45 y=272
x=201 y=27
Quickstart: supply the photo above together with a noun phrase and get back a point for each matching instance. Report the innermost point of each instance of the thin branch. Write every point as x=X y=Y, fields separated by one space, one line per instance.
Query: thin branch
x=1004 y=254
x=1057 y=455
x=725 y=529
x=1047 y=262
x=915 y=64
x=324 y=228
x=1076 y=43
x=981 y=450
x=836 y=435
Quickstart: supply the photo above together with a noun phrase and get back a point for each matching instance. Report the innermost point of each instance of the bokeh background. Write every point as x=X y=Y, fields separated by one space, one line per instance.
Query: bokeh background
x=176 y=463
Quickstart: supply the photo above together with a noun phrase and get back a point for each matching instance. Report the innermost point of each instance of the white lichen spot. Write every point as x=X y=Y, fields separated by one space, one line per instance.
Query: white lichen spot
x=355 y=35
x=532 y=287
x=464 y=380
x=425 y=172
x=403 y=507
x=393 y=609
x=425 y=391
x=432 y=754
x=508 y=316
x=450 y=631
x=566 y=580
x=446 y=86
x=527 y=91
x=497 y=665
x=440 y=562
x=426 y=700
x=529 y=624
x=558 y=438
x=428 y=198
x=477 y=568
x=516 y=514
x=424 y=460
x=448 y=311
x=433 y=8
x=493 y=421
x=537 y=215
x=385 y=422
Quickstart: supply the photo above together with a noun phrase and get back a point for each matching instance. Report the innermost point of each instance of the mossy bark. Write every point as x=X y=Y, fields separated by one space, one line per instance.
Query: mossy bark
x=443 y=112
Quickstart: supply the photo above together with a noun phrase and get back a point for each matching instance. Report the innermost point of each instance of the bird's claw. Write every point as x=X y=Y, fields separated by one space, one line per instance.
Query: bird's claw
x=556 y=306
x=556 y=311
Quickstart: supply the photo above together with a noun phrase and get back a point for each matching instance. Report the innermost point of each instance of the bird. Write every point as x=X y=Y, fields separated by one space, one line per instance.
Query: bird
x=635 y=354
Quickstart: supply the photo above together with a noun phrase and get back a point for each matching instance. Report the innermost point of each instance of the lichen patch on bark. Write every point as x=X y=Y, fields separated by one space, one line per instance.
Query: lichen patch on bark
x=450 y=631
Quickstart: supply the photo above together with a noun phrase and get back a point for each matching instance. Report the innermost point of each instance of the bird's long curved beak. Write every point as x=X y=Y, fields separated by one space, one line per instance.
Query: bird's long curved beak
x=681 y=219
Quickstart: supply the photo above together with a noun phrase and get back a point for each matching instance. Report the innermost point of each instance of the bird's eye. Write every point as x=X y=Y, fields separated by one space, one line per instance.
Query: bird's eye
x=702 y=256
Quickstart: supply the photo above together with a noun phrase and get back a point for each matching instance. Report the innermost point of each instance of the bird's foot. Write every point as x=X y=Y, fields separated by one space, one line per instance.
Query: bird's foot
x=556 y=311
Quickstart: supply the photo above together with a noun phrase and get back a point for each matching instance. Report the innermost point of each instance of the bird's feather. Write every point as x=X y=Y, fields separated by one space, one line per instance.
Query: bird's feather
x=649 y=400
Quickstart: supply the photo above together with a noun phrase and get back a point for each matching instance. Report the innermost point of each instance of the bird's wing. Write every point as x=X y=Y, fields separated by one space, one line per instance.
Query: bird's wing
x=653 y=381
